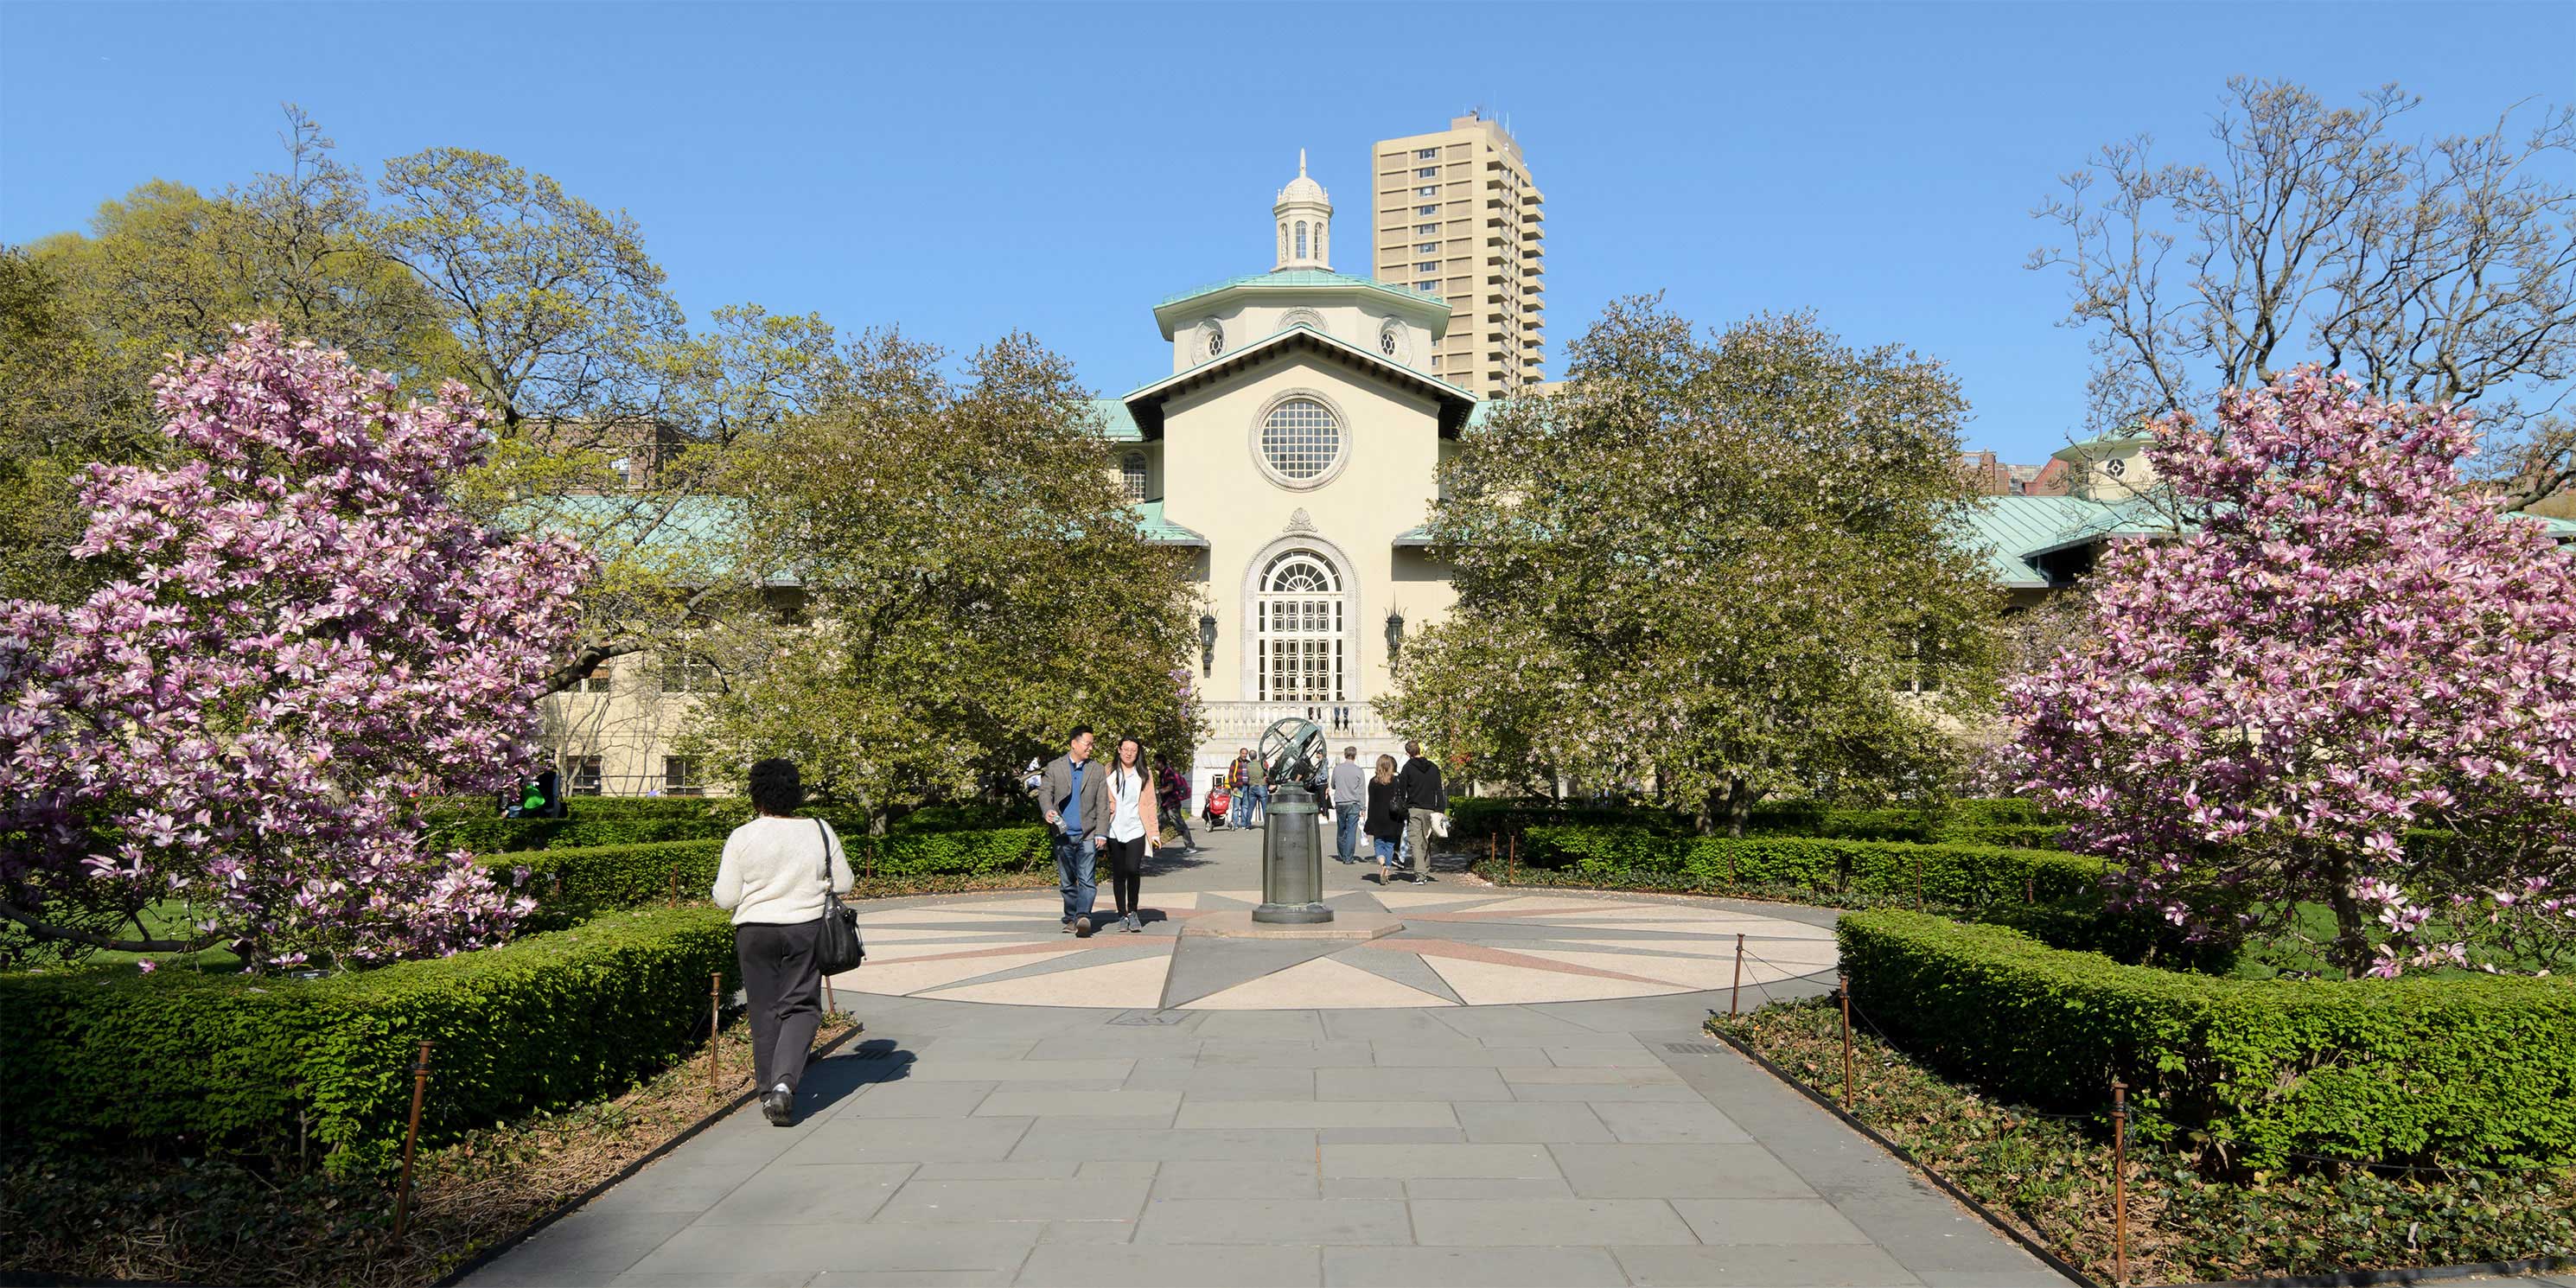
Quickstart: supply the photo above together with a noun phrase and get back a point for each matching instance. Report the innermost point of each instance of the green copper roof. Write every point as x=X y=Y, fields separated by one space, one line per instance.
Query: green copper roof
x=1116 y=424
x=1162 y=531
x=1305 y=277
x=2012 y=529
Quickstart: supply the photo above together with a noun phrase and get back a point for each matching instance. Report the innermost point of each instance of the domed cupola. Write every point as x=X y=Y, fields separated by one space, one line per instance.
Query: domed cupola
x=1305 y=218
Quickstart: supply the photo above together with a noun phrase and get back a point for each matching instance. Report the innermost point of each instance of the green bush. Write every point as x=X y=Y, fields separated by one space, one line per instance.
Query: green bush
x=572 y=883
x=1957 y=875
x=1480 y=817
x=492 y=835
x=294 y=1069
x=2258 y=1075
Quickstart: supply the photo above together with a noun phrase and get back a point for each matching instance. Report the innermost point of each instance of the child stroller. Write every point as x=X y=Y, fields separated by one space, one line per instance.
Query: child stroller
x=1220 y=804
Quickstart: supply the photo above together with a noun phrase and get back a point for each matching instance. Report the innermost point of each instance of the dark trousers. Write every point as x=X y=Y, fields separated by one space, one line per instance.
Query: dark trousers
x=785 y=989
x=1127 y=872
x=1074 y=856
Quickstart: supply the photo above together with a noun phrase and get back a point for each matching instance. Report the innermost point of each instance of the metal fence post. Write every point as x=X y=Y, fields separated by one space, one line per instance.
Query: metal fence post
x=2119 y=1183
x=1736 y=992
x=715 y=1025
x=1844 y=983
x=411 y=1138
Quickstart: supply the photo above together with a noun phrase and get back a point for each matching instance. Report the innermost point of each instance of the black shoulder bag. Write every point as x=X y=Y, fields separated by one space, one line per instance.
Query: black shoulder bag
x=836 y=946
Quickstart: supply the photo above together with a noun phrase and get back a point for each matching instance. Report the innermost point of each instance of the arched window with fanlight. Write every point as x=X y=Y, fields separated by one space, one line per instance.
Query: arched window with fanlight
x=1131 y=475
x=1298 y=629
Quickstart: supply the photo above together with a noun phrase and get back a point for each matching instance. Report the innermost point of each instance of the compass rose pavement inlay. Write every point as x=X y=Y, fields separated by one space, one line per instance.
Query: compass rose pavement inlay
x=1460 y=947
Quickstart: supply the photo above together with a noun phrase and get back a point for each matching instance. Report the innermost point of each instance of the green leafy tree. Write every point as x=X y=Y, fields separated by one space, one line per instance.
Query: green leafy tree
x=1724 y=565
x=974 y=584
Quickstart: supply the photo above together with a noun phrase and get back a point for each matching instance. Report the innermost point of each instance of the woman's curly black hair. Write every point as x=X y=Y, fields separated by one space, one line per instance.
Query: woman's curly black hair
x=775 y=788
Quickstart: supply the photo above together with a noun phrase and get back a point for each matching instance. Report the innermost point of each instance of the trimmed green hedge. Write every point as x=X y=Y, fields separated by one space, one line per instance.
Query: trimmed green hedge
x=597 y=821
x=290 y=1069
x=1961 y=875
x=2257 y=1074
x=571 y=883
x=2005 y=821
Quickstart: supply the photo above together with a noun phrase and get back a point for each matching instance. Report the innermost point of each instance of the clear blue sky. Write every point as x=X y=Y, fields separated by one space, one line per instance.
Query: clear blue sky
x=962 y=171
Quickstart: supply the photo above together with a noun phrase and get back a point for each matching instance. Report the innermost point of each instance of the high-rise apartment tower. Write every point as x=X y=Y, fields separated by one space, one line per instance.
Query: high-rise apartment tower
x=1458 y=217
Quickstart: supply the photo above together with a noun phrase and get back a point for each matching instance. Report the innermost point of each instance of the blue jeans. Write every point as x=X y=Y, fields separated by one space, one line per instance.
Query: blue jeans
x=1074 y=857
x=1242 y=807
x=1346 y=832
x=1260 y=803
x=1388 y=848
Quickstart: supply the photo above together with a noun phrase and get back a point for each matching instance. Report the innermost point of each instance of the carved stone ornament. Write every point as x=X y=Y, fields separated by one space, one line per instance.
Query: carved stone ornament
x=1300 y=521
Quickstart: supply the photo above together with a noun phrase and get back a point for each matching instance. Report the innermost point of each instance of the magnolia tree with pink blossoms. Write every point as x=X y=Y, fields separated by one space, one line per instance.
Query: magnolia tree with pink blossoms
x=305 y=637
x=2348 y=646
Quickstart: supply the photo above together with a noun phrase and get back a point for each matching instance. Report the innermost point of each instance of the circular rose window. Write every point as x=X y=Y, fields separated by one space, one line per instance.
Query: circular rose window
x=1300 y=440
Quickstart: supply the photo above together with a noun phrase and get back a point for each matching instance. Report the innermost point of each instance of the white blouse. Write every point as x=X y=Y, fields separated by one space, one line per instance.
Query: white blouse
x=1126 y=823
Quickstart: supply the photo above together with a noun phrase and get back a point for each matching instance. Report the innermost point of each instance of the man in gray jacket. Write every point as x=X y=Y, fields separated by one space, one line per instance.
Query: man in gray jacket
x=1074 y=795
x=1350 y=801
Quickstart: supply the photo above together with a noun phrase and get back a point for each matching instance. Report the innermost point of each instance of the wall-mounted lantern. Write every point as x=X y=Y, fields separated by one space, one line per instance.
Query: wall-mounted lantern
x=1394 y=635
x=1207 y=645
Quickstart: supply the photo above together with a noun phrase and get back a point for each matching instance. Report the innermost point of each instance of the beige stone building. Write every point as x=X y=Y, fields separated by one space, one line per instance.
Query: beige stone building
x=1458 y=218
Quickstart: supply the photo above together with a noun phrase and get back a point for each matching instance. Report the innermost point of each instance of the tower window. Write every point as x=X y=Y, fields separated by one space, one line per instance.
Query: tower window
x=1131 y=475
x=1427 y=210
x=1301 y=239
x=1427 y=172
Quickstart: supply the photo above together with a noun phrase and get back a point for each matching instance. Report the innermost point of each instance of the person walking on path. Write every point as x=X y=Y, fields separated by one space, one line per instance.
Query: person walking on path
x=1074 y=793
x=1349 y=784
x=1133 y=828
x=1256 y=790
x=774 y=875
x=1420 y=789
x=1385 y=817
x=1238 y=784
x=1172 y=801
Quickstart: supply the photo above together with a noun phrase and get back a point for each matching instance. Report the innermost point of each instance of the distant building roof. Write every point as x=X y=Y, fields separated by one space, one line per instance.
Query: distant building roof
x=1145 y=404
x=1163 y=532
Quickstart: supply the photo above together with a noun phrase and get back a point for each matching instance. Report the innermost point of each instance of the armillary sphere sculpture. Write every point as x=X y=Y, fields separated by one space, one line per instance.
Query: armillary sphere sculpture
x=1294 y=754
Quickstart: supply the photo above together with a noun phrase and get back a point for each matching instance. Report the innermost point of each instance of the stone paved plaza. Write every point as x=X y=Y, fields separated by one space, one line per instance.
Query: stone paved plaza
x=1108 y=1116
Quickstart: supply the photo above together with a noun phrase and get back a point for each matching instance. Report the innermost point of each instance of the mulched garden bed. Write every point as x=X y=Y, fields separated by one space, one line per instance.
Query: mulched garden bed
x=2051 y=1177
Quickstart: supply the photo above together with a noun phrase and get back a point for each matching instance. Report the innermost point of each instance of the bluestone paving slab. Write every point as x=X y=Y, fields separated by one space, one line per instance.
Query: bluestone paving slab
x=1081 y=1199
x=1138 y=1266
x=1677 y=1172
x=1391 y=1027
x=1520 y=1122
x=1011 y=1103
x=1286 y=1055
x=1613 y=1056
x=1001 y=1169
x=1602 y=1093
x=1273 y=1221
x=1410 y=1083
x=1767 y=1221
x=1363 y=1187
x=674 y=1186
x=1315 y=1113
x=875 y=1246
x=745 y=1279
x=1089 y=1232
x=1456 y=1055
x=807 y=1194
x=934 y=1069
x=1495 y=1223
x=1391 y=1136
x=584 y=1243
x=1593 y=1076
x=1654 y=1123
x=1766 y=1265
x=2042 y=1277
x=908 y=1099
x=1409 y=1161
x=1472 y=1268
x=1237 y=1082
x=907 y=1140
x=1046 y=1140
x=1223 y=1179
x=910 y=1278
x=1487 y=1187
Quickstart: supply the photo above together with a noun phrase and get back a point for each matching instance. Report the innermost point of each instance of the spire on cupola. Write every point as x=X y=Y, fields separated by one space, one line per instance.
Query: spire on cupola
x=1305 y=218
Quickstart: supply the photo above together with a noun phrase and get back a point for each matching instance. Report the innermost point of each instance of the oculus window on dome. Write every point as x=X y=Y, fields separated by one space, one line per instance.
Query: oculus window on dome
x=1301 y=440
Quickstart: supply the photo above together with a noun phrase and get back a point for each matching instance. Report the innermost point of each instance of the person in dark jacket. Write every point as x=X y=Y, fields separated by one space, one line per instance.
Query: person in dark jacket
x=1385 y=816
x=1419 y=790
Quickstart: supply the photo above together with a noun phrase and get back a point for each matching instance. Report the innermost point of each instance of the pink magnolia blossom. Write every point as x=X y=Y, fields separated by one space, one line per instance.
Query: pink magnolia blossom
x=2351 y=644
x=305 y=636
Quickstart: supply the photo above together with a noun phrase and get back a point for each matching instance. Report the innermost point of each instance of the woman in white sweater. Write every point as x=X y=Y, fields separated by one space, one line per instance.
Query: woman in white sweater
x=775 y=871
